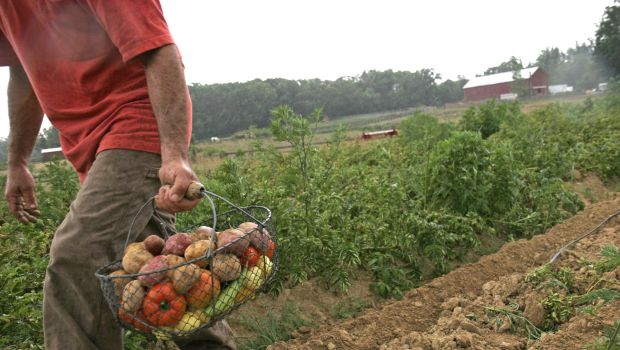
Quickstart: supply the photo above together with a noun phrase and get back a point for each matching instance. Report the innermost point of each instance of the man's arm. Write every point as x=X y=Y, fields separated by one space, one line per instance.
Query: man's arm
x=168 y=95
x=25 y=116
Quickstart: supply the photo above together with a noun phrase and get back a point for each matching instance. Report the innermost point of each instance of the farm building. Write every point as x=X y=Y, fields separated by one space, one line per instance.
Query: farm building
x=50 y=153
x=534 y=79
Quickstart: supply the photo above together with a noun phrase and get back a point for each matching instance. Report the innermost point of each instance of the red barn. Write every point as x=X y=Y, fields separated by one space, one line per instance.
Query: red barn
x=534 y=80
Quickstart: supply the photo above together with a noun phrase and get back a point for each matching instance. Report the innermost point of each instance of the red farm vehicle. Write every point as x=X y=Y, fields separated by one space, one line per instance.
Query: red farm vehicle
x=379 y=134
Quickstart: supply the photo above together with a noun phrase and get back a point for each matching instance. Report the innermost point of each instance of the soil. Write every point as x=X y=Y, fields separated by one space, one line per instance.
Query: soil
x=455 y=311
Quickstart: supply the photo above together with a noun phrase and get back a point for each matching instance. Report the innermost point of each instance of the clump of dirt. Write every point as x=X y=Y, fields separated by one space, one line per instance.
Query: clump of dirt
x=504 y=301
x=589 y=187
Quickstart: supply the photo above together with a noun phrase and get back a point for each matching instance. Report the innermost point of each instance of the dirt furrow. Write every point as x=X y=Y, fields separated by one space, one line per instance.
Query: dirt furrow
x=422 y=308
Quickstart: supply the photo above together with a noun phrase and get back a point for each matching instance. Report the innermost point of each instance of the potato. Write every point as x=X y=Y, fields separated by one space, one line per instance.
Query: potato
x=157 y=263
x=204 y=232
x=135 y=259
x=133 y=295
x=154 y=244
x=173 y=260
x=258 y=238
x=177 y=243
x=199 y=249
x=247 y=227
x=234 y=242
x=184 y=277
x=119 y=282
x=226 y=266
x=133 y=246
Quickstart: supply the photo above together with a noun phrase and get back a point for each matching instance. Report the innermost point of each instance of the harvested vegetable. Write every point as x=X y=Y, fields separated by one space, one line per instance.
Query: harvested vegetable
x=133 y=295
x=133 y=246
x=254 y=279
x=226 y=266
x=265 y=265
x=173 y=261
x=259 y=238
x=199 y=249
x=250 y=257
x=119 y=282
x=177 y=244
x=204 y=291
x=184 y=277
x=203 y=232
x=189 y=322
x=232 y=241
x=135 y=259
x=154 y=244
x=226 y=300
x=152 y=277
x=163 y=306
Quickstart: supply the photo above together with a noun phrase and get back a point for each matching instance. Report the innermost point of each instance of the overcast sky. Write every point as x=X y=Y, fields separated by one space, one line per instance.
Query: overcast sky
x=240 y=40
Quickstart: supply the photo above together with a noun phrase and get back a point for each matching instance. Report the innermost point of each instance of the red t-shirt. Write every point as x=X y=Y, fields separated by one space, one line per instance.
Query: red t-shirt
x=79 y=57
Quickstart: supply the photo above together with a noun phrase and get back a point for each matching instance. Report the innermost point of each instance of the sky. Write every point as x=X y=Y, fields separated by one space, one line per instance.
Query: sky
x=241 y=40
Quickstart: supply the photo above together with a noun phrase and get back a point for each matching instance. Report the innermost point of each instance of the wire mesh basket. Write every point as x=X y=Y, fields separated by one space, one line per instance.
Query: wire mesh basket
x=181 y=283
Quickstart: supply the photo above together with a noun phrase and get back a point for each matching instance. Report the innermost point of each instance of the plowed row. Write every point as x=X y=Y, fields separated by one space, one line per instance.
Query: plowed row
x=449 y=312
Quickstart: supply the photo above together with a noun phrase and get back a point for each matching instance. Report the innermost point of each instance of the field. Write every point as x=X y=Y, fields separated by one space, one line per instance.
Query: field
x=502 y=301
x=207 y=156
x=381 y=241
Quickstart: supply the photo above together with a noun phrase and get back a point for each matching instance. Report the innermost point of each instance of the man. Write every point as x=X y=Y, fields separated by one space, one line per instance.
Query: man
x=110 y=79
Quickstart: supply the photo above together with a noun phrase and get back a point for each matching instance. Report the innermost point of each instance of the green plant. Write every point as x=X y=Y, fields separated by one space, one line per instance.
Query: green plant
x=611 y=340
x=559 y=308
x=518 y=322
x=488 y=117
x=610 y=259
x=350 y=307
x=550 y=275
x=273 y=327
x=604 y=294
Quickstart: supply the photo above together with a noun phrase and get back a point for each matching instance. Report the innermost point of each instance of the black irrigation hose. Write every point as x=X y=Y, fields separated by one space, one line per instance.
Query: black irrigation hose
x=594 y=230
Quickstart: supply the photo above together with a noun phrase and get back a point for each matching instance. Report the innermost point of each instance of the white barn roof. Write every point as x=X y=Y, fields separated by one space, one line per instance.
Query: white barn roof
x=499 y=78
x=51 y=150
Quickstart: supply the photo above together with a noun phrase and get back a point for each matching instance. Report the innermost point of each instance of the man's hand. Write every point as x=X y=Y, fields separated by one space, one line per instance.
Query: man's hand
x=176 y=176
x=19 y=193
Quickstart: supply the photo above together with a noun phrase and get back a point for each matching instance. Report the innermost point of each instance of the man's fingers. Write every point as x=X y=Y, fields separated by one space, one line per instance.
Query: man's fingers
x=30 y=201
x=24 y=217
x=186 y=204
x=30 y=217
x=165 y=201
x=34 y=212
x=177 y=192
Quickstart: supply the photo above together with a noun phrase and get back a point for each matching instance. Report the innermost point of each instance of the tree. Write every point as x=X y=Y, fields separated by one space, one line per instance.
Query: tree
x=450 y=91
x=550 y=59
x=607 y=44
x=513 y=64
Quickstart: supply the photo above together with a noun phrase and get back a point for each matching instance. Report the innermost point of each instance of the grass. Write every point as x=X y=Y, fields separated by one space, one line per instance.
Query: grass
x=350 y=307
x=611 y=340
x=273 y=327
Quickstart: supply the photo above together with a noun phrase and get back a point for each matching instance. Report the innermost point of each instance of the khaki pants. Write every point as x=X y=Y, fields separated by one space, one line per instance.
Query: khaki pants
x=75 y=314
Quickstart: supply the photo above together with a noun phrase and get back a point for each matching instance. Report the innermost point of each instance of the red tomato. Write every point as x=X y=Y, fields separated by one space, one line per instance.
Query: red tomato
x=141 y=323
x=250 y=257
x=163 y=306
x=271 y=249
x=134 y=320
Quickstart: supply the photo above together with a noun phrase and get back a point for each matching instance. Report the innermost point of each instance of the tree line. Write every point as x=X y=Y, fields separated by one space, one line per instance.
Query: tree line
x=222 y=109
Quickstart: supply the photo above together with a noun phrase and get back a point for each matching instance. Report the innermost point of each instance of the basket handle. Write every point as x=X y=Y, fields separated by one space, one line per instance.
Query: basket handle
x=194 y=191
